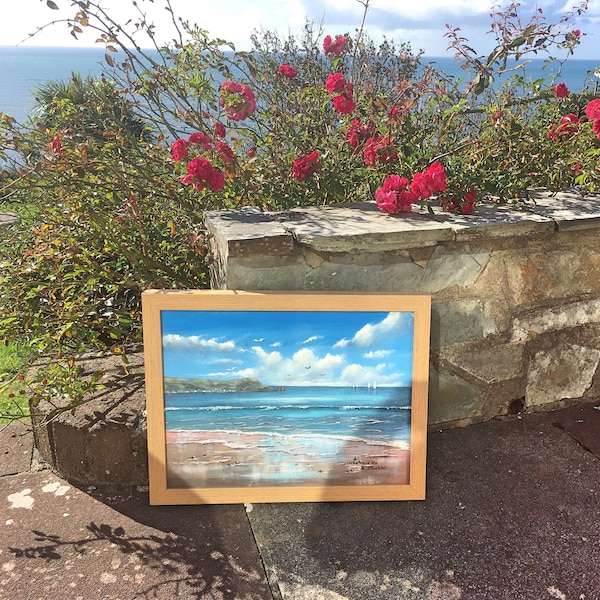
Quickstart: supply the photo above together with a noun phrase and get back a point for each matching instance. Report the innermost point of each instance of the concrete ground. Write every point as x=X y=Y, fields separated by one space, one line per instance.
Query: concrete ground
x=512 y=512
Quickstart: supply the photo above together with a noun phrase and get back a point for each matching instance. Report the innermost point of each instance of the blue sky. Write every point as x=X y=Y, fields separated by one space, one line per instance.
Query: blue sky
x=422 y=22
x=290 y=348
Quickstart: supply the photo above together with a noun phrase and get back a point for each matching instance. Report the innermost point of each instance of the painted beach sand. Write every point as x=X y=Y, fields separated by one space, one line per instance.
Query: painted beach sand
x=227 y=459
x=297 y=436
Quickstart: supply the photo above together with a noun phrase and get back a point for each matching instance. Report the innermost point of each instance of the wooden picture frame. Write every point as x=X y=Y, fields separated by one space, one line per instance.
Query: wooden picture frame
x=285 y=396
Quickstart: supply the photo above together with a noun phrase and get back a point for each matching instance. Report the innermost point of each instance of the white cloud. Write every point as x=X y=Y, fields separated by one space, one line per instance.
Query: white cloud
x=194 y=343
x=372 y=333
x=420 y=23
x=377 y=354
x=304 y=367
x=312 y=338
x=268 y=359
x=362 y=376
x=424 y=10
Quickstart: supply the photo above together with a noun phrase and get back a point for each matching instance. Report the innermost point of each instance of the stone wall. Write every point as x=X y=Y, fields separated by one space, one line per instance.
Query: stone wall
x=515 y=293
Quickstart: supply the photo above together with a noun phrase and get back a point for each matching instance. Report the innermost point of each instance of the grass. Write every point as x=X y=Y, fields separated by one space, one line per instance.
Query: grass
x=13 y=362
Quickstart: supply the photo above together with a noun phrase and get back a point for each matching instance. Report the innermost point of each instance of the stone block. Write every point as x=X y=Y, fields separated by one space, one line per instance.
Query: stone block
x=102 y=441
x=42 y=433
x=110 y=452
x=70 y=449
x=362 y=227
x=569 y=210
x=452 y=398
x=458 y=321
x=564 y=316
x=566 y=371
x=496 y=222
x=551 y=272
x=394 y=272
x=453 y=267
x=487 y=364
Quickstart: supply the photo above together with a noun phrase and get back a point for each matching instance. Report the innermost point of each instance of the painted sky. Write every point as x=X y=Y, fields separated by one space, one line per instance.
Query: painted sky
x=290 y=348
x=421 y=23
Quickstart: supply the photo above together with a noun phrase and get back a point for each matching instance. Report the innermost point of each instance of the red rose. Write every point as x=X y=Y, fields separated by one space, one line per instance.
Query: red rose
x=344 y=103
x=220 y=129
x=393 y=197
x=592 y=110
x=405 y=200
x=238 y=100
x=422 y=185
x=470 y=197
x=567 y=128
x=395 y=183
x=191 y=180
x=303 y=167
x=438 y=176
x=596 y=127
x=226 y=152
x=199 y=168
x=359 y=132
x=200 y=139
x=387 y=201
x=469 y=203
x=336 y=82
x=56 y=145
x=179 y=150
x=561 y=90
x=496 y=116
x=287 y=71
x=336 y=46
x=379 y=150
x=216 y=180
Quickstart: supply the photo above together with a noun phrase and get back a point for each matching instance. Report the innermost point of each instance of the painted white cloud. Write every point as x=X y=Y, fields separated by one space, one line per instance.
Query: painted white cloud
x=362 y=376
x=194 y=343
x=370 y=333
x=304 y=367
x=312 y=338
x=377 y=354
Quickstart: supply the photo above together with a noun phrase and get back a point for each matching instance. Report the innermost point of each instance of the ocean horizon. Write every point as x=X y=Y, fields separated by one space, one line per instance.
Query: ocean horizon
x=24 y=68
x=370 y=414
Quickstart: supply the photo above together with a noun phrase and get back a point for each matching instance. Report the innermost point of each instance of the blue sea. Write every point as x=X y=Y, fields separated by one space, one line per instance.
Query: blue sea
x=300 y=435
x=23 y=68
x=381 y=414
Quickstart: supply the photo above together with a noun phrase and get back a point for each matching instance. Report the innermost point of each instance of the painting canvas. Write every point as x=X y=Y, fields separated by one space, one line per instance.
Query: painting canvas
x=276 y=397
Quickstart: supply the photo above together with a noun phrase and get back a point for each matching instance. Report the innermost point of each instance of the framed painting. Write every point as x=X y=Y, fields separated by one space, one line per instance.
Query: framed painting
x=285 y=396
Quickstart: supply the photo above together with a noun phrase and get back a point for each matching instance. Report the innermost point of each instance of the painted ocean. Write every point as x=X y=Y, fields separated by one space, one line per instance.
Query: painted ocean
x=23 y=68
x=297 y=435
x=366 y=413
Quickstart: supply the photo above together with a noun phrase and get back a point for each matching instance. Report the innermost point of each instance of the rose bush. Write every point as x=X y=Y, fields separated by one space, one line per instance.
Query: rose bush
x=324 y=119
